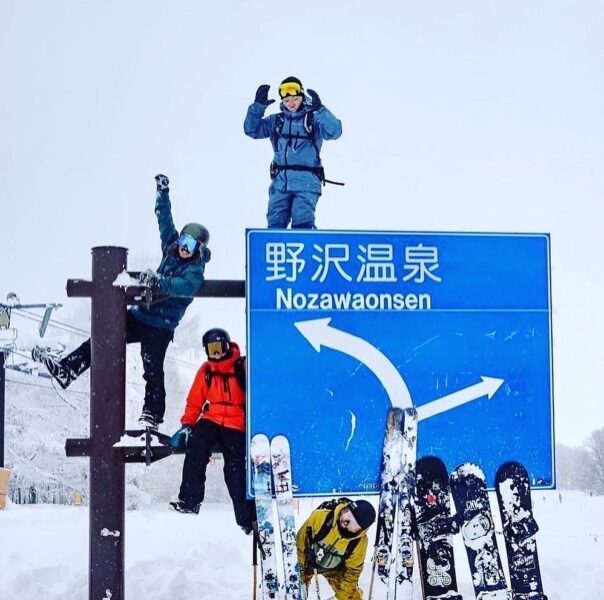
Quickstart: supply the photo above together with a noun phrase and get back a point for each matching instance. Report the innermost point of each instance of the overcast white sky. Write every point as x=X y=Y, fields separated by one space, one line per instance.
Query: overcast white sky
x=457 y=116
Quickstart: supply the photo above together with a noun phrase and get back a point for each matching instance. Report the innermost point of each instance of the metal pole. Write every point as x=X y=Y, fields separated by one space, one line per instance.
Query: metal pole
x=2 y=404
x=107 y=423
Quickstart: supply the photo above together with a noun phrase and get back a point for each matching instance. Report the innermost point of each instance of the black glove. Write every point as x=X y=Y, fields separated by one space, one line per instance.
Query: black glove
x=162 y=182
x=316 y=101
x=262 y=95
x=149 y=278
x=180 y=438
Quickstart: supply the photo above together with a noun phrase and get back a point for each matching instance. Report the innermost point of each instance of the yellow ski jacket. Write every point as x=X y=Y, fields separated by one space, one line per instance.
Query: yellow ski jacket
x=341 y=572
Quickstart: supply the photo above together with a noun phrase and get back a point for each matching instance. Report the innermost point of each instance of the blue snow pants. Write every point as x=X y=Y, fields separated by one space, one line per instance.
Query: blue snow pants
x=297 y=207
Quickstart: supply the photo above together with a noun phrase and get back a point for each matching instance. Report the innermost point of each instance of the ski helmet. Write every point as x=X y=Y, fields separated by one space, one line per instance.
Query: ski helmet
x=216 y=341
x=291 y=86
x=197 y=231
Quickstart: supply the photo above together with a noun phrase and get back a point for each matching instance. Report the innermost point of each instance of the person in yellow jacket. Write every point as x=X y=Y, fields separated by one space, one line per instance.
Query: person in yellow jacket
x=333 y=542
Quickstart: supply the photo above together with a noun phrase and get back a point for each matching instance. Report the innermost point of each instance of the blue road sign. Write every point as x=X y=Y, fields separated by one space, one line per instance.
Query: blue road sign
x=343 y=325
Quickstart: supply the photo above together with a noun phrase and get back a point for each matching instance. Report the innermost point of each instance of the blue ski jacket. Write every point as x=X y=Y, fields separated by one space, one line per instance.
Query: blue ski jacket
x=180 y=278
x=295 y=145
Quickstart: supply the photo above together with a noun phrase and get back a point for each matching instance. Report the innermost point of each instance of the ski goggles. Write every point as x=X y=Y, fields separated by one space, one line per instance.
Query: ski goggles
x=290 y=89
x=188 y=243
x=213 y=348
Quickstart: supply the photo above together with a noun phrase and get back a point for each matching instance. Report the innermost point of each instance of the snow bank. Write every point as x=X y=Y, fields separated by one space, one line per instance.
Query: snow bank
x=207 y=557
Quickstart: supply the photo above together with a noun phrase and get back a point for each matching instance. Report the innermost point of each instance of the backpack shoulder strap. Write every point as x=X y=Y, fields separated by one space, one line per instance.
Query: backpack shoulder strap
x=352 y=544
x=208 y=375
x=238 y=373
x=309 y=123
x=331 y=505
x=239 y=368
x=279 y=120
x=328 y=524
x=309 y=127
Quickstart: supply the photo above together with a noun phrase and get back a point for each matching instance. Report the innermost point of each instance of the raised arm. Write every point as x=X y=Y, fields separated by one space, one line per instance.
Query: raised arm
x=163 y=210
x=330 y=127
x=256 y=125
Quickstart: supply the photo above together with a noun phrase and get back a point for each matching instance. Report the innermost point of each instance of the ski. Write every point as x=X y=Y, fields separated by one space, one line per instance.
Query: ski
x=435 y=526
x=471 y=499
x=405 y=513
x=261 y=483
x=282 y=478
x=392 y=464
x=513 y=490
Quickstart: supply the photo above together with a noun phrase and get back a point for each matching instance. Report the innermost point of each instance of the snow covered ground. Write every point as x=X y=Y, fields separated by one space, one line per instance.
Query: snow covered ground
x=206 y=557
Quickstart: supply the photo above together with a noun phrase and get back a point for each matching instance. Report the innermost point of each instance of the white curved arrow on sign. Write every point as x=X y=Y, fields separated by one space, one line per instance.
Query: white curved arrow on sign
x=319 y=333
x=487 y=387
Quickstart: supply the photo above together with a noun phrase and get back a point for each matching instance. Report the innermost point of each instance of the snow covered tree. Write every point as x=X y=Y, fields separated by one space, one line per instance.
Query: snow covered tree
x=573 y=468
x=595 y=448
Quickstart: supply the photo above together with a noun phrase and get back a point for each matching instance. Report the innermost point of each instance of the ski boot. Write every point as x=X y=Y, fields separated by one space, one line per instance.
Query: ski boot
x=62 y=374
x=149 y=420
x=187 y=509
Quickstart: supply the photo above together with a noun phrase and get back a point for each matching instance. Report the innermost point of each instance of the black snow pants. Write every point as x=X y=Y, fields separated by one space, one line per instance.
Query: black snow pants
x=199 y=449
x=154 y=342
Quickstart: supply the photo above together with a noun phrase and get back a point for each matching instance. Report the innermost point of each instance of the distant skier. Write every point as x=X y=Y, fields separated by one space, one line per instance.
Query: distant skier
x=333 y=542
x=180 y=275
x=296 y=133
x=215 y=415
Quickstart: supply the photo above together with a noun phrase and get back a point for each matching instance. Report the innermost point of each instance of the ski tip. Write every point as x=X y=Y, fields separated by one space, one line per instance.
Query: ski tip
x=410 y=413
x=259 y=439
x=395 y=418
x=280 y=440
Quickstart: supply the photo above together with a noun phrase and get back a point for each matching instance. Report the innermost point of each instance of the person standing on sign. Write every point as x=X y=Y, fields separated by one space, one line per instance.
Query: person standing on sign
x=333 y=542
x=179 y=276
x=215 y=414
x=296 y=133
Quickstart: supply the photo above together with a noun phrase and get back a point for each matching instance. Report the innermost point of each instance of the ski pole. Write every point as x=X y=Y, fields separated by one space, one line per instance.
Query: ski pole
x=316 y=578
x=375 y=547
x=254 y=564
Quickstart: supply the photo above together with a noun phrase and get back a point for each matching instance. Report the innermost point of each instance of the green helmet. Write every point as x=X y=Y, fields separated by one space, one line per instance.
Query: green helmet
x=197 y=231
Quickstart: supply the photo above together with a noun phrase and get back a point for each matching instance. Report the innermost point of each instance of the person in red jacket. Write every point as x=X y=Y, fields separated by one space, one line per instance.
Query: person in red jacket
x=215 y=415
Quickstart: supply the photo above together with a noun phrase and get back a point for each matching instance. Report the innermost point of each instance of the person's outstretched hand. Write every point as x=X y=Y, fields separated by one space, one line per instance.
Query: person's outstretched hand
x=262 y=95
x=162 y=182
x=316 y=101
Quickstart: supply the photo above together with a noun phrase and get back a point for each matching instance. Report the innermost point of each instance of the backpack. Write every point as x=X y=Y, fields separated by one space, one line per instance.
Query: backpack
x=319 y=556
x=238 y=373
x=309 y=127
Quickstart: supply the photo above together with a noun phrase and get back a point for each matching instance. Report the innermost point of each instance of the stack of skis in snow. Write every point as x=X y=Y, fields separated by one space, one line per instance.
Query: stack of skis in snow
x=414 y=507
x=393 y=552
x=274 y=459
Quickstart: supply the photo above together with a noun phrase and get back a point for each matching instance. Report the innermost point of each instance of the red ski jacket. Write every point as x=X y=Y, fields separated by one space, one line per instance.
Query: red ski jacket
x=216 y=395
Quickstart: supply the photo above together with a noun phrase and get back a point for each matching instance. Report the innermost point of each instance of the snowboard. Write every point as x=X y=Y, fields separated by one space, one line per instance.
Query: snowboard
x=282 y=478
x=405 y=513
x=435 y=527
x=261 y=483
x=513 y=490
x=469 y=492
